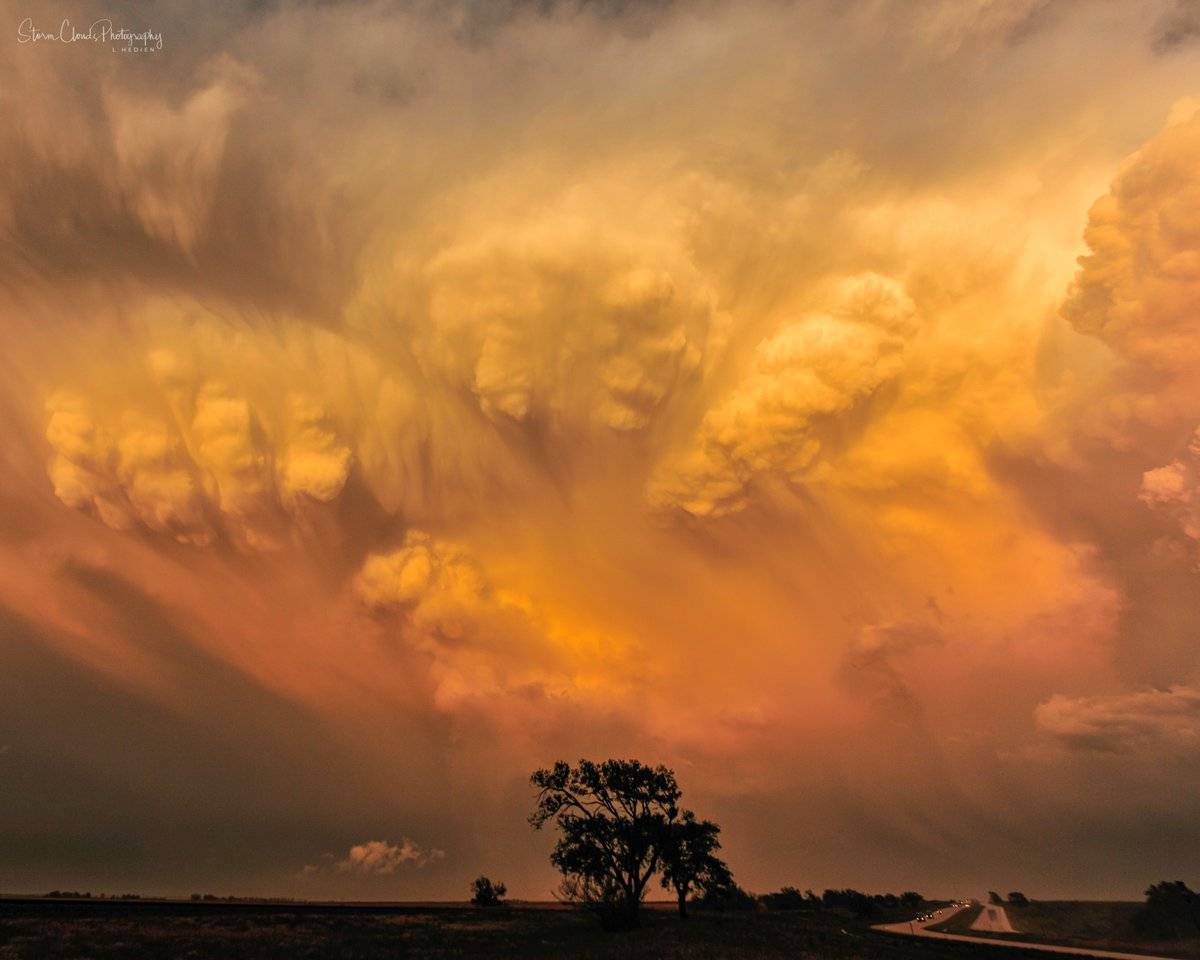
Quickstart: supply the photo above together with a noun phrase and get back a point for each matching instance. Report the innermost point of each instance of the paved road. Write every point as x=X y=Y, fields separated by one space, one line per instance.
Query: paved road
x=921 y=929
x=993 y=919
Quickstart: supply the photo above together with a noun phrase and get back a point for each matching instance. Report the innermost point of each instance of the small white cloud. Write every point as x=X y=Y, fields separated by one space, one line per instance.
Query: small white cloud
x=380 y=857
x=1174 y=489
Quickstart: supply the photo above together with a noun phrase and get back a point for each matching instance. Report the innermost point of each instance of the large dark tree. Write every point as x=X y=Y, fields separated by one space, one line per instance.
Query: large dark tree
x=615 y=820
x=1171 y=912
x=689 y=860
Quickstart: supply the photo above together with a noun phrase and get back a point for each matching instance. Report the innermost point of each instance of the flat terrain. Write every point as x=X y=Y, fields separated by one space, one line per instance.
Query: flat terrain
x=1079 y=924
x=967 y=925
x=1094 y=923
x=107 y=930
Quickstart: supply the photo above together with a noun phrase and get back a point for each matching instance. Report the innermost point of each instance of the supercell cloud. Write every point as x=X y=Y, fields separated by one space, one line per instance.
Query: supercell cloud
x=396 y=397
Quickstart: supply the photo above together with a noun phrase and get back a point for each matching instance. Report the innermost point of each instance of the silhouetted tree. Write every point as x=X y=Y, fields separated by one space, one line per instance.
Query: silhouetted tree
x=786 y=898
x=994 y=898
x=615 y=822
x=910 y=899
x=486 y=893
x=1171 y=911
x=1018 y=899
x=689 y=860
x=726 y=897
x=853 y=901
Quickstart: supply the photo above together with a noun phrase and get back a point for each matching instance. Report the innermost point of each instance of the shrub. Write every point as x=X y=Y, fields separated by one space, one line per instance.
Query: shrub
x=487 y=893
x=1171 y=912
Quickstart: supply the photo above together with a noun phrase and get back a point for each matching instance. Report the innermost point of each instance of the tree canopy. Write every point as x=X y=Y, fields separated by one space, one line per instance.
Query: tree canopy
x=689 y=859
x=619 y=825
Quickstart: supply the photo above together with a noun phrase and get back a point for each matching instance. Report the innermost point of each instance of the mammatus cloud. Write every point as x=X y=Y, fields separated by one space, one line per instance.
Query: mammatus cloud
x=436 y=597
x=132 y=474
x=809 y=372
x=489 y=645
x=482 y=385
x=424 y=577
x=549 y=323
x=214 y=475
x=1127 y=721
x=193 y=456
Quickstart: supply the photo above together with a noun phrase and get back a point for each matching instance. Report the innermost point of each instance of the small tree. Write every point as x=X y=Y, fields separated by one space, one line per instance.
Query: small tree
x=994 y=898
x=1171 y=911
x=689 y=860
x=615 y=823
x=486 y=893
x=910 y=899
x=1018 y=899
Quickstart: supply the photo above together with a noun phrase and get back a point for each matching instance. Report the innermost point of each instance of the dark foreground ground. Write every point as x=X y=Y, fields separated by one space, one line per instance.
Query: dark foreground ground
x=1090 y=924
x=107 y=930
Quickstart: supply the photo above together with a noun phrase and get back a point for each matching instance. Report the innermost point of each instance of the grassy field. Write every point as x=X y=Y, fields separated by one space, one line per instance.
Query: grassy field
x=1092 y=923
x=109 y=931
x=1101 y=925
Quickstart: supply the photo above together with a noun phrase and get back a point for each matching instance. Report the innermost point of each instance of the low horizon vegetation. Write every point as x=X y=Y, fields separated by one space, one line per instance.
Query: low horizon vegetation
x=1167 y=922
x=142 y=930
x=621 y=826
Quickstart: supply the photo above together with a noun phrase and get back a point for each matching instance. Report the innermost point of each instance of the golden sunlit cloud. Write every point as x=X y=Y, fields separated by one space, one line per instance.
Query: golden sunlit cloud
x=461 y=385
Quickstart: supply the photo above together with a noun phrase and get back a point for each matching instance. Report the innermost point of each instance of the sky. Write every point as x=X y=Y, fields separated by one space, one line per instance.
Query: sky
x=398 y=397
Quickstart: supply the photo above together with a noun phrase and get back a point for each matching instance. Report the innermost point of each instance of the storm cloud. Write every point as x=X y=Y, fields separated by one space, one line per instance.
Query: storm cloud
x=409 y=394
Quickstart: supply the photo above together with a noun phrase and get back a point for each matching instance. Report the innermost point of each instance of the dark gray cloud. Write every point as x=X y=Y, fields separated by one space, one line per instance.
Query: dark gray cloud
x=1178 y=27
x=207 y=781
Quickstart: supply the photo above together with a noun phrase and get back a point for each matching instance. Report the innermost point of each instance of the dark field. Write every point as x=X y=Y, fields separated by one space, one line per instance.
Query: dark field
x=1088 y=923
x=1095 y=924
x=150 y=931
